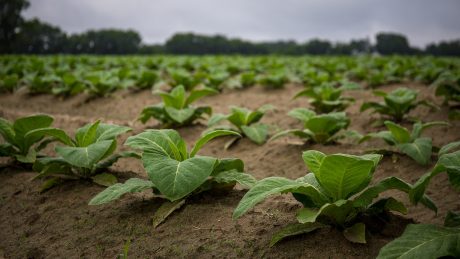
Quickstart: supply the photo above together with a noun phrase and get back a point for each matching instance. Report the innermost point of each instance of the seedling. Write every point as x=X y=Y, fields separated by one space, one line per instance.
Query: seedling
x=336 y=193
x=328 y=98
x=18 y=144
x=411 y=144
x=244 y=121
x=176 y=109
x=87 y=156
x=396 y=104
x=174 y=172
x=321 y=128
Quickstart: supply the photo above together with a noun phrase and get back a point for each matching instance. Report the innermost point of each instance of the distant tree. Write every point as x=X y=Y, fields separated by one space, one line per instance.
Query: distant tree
x=444 y=48
x=392 y=43
x=151 y=49
x=10 y=20
x=317 y=47
x=35 y=37
x=106 y=41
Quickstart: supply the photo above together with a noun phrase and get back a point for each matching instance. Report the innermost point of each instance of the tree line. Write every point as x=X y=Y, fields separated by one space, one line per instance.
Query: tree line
x=20 y=36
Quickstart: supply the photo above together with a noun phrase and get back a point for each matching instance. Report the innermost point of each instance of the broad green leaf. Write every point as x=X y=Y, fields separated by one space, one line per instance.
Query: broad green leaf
x=155 y=111
x=337 y=212
x=109 y=131
x=275 y=185
x=105 y=179
x=256 y=132
x=209 y=136
x=114 y=158
x=197 y=94
x=302 y=114
x=356 y=233
x=87 y=134
x=117 y=190
x=6 y=130
x=85 y=157
x=419 y=127
x=177 y=179
x=227 y=164
x=231 y=176
x=400 y=134
x=28 y=158
x=180 y=115
x=313 y=160
x=294 y=230
x=216 y=118
x=53 y=132
x=419 y=150
x=341 y=175
x=165 y=210
x=423 y=241
x=449 y=148
x=25 y=124
x=162 y=143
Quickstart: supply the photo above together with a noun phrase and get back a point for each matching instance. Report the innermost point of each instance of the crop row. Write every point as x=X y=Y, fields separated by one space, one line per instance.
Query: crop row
x=337 y=192
x=99 y=76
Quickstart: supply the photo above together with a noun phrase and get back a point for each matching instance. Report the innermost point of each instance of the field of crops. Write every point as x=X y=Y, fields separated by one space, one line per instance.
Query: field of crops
x=229 y=157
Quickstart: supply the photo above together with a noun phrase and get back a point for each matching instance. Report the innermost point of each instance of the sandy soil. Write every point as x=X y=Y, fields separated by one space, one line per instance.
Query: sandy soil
x=60 y=224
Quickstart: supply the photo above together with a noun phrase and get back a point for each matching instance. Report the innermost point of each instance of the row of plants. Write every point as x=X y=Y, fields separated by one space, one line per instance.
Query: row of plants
x=99 y=76
x=336 y=192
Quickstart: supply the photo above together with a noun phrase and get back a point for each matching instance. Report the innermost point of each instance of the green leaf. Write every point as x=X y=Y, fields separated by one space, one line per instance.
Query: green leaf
x=227 y=164
x=338 y=212
x=231 y=176
x=165 y=210
x=275 y=185
x=87 y=134
x=343 y=175
x=177 y=179
x=294 y=230
x=109 y=131
x=313 y=159
x=449 y=148
x=423 y=241
x=256 y=132
x=197 y=94
x=180 y=115
x=419 y=150
x=296 y=132
x=6 y=130
x=160 y=143
x=117 y=190
x=302 y=114
x=400 y=134
x=356 y=233
x=216 y=118
x=53 y=132
x=85 y=157
x=418 y=127
x=208 y=136
x=105 y=179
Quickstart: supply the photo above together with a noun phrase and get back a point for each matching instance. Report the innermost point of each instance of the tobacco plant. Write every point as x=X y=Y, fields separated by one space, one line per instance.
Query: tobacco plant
x=327 y=97
x=17 y=143
x=337 y=192
x=87 y=156
x=244 y=121
x=322 y=128
x=177 y=109
x=396 y=104
x=176 y=173
x=412 y=143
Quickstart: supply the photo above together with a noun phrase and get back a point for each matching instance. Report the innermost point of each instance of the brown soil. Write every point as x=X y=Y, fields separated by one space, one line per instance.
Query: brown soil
x=60 y=224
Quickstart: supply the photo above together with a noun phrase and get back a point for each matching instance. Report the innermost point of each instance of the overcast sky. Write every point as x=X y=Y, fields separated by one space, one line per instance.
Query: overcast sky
x=423 y=21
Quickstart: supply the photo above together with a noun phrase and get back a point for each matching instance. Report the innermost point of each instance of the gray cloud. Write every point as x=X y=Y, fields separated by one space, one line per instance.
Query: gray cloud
x=423 y=21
